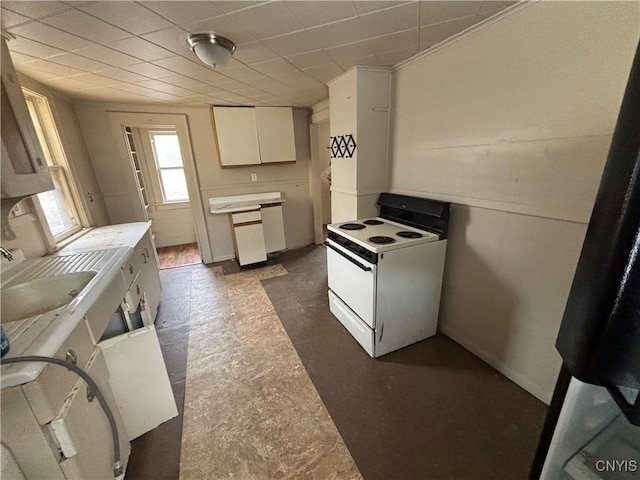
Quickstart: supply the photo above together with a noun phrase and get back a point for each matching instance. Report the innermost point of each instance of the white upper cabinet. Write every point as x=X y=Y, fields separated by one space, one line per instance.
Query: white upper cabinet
x=237 y=136
x=275 y=134
x=251 y=136
x=24 y=167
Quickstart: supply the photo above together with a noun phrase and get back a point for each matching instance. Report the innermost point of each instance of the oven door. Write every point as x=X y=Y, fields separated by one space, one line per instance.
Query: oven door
x=353 y=280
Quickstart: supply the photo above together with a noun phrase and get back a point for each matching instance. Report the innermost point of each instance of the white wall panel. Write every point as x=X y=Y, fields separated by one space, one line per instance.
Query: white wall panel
x=512 y=122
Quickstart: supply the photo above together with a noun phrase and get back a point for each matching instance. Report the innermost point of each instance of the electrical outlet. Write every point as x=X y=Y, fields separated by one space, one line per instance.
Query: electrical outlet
x=254 y=177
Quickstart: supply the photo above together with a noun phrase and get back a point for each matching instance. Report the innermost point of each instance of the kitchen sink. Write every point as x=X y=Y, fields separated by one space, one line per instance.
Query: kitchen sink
x=41 y=295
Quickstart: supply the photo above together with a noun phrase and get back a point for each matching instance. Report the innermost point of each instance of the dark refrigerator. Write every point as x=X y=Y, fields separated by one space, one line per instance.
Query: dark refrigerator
x=592 y=430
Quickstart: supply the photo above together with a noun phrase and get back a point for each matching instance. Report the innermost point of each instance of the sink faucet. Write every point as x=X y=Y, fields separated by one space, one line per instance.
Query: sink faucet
x=6 y=254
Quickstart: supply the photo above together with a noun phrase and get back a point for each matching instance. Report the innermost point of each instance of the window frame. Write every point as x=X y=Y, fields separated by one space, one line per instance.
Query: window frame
x=156 y=177
x=51 y=143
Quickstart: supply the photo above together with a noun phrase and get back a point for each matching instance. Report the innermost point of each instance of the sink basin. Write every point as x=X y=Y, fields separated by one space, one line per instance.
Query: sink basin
x=41 y=295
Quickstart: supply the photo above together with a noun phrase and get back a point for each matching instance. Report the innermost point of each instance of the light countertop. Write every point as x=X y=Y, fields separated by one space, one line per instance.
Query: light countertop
x=243 y=203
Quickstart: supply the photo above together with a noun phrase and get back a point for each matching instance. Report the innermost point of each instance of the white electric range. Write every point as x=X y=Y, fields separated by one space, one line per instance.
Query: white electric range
x=385 y=273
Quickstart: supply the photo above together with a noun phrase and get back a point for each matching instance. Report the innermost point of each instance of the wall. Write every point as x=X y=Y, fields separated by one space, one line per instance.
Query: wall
x=30 y=237
x=511 y=122
x=291 y=179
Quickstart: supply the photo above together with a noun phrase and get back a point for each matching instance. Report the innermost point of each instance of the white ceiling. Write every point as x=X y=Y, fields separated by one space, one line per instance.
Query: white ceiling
x=136 y=52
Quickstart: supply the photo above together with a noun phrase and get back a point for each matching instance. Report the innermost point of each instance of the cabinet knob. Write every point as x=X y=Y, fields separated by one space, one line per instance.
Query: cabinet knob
x=138 y=289
x=71 y=357
x=131 y=269
x=90 y=394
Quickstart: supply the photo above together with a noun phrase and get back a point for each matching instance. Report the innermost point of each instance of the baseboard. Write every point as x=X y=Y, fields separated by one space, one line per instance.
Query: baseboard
x=511 y=374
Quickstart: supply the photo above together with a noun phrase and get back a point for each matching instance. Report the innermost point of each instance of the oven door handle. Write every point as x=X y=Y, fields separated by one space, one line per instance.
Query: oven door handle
x=355 y=262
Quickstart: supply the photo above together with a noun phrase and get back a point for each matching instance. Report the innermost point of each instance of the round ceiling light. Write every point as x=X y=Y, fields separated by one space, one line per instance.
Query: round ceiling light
x=211 y=49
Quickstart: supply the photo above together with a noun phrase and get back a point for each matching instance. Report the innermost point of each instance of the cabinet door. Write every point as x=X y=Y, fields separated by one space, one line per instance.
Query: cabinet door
x=250 y=243
x=82 y=430
x=24 y=167
x=273 y=227
x=236 y=136
x=139 y=380
x=275 y=134
x=149 y=275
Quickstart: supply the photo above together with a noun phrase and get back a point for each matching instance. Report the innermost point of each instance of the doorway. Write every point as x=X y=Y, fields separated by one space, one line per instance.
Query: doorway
x=163 y=185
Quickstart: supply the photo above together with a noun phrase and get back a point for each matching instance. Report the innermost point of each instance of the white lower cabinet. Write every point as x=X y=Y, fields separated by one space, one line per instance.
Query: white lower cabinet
x=81 y=430
x=249 y=237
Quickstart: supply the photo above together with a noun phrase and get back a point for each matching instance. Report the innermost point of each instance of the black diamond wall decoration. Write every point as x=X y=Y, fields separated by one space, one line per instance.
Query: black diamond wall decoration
x=342 y=146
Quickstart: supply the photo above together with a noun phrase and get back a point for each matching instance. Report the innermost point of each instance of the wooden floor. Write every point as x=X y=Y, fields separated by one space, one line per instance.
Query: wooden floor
x=179 y=255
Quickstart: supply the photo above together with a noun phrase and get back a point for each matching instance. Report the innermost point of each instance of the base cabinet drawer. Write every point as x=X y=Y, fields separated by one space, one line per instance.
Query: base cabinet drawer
x=357 y=328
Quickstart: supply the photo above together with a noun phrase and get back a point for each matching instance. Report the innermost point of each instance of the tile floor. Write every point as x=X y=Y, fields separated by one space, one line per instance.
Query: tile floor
x=273 y=387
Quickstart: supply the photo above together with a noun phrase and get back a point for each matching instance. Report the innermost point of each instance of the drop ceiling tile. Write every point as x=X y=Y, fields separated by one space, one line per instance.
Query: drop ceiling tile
x=94 y=79
x=183 y=66
x=253 y=52
x=134 y=88
x=206 y=89
x=261 y=82
x=338 y=33
x=432 y=34
x=395 y=41
x=389 y=59
x=436 y=12
x=310 y=59
x=182 y=81
x=493 y=6
x=173 y=39
x=107 y=55
x=81 y=63
x=266 y=20
x=122 y=75
x=22 y=59
x=311 y=14
x=163 y=96
x=290 y=78
x=10 y=19
x=274 y=67
x=141 y=48
x=347 y=53
x=391 y=20
x=50 y=36
x=149 y=70
x=38 y=75
x=84 y=25
x=54 y=68
x=128 y=16
x=366 y=6
x=324 y=73
x=35 y=10
x=34 y=49
x=184 y=12
x=235 y=5
x=223 y=26
x=293 y=43
x=69 y=84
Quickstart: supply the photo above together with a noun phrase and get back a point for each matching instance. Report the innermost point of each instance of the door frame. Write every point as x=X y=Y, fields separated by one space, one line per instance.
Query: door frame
x=120 y=120
x=320 y=115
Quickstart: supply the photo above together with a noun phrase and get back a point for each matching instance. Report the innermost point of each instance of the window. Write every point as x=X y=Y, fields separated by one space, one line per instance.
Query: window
x=168 y=161
x=58 y=205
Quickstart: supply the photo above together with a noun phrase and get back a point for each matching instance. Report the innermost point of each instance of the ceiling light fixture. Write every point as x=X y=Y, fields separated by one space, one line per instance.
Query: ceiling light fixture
x=211 y=49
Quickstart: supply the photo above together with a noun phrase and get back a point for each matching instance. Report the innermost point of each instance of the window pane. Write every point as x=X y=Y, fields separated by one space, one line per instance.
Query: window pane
x=174 y=185
x=59 y=216
x=167 y=150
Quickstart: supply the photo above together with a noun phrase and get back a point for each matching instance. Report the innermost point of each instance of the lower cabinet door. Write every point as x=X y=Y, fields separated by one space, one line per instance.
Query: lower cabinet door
x=139 y=380
x=82 y=431
x=250 y=244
